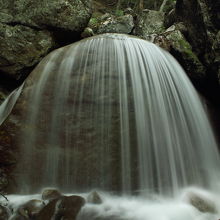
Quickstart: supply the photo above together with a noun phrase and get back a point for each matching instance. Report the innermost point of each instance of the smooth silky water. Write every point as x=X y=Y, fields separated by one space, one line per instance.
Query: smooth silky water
x=117 y=114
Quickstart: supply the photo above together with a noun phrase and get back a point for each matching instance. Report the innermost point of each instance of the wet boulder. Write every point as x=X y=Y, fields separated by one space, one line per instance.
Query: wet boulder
x=94 y=197
x=65 y=207
x=50 y=194
x=28 y=210
x=201 y=202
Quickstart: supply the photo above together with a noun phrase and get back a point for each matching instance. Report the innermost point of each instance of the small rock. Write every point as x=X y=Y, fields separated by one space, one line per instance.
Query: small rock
x=201 y=203
x=88 y=32
x=128 y=11
x=50 y=194
x=94 y=198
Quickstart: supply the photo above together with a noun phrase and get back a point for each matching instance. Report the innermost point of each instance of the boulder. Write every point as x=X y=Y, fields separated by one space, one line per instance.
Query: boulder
x=94 y=198
x=88 y=32
x=31 y=29
x=202 y=203
x=58 y=14
x=149 y=22
x=182 y=51
x=65 y=207
x=28 y=210
x=113 y=24
x=201 y=32
x=50 y=194
x=22 y=47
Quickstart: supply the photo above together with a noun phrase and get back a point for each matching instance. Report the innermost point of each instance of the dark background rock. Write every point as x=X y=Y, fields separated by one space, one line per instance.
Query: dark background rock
x=31 y=29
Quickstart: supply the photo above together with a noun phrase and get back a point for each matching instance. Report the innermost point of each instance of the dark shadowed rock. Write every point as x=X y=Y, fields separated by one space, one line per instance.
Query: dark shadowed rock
x=66 y=207
x=4 y=213
x=182 y=51
x=28 y=210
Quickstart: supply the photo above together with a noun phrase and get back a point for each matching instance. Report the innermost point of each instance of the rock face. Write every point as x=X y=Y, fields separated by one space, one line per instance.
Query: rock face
x=182 y=51
x=70 y=15
x=202 y=24
x=30 y=29
x=201 y=30
x=201 y=203
x=149 y=22
x=22 y=47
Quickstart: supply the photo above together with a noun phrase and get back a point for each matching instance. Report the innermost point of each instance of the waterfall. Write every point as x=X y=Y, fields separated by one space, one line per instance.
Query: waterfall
x=116 y=113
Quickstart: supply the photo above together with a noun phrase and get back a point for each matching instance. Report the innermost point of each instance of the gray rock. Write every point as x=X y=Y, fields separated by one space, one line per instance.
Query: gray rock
x=30 y=29
x=50 y=194
x=88 y=32
x=149 y=22
x=123 y=24
x=62 y=14
x=22 y=47
x=94 y=198
x=197 y=19
x=29 y=210
x=183 y=52
x=201 y=203
x=65 y=207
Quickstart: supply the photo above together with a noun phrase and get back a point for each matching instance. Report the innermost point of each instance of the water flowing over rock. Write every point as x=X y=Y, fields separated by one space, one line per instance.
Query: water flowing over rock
x=111 y=112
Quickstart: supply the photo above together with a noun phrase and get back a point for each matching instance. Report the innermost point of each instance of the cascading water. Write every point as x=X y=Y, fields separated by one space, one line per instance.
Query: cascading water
x=116 y=113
